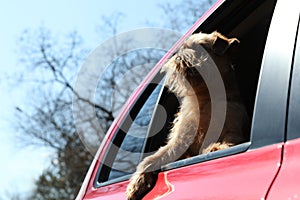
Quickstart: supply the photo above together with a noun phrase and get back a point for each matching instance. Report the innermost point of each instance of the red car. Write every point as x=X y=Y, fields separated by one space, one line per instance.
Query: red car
x=268 y=73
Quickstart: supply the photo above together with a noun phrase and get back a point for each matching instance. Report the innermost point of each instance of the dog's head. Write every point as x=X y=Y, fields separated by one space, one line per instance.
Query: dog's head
x=198 y=53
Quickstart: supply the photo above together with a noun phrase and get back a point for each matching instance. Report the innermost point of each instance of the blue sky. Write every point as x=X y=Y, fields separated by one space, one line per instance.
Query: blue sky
x=21 y=165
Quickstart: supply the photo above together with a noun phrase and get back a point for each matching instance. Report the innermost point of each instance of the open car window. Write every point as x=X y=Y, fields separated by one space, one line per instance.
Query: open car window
x=252 y=31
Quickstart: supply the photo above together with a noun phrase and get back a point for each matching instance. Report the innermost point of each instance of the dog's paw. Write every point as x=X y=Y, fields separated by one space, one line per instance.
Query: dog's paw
x=140 y=184
x=216 y=146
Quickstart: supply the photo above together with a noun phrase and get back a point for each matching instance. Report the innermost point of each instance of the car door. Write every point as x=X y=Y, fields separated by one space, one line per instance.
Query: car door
x=245 y=171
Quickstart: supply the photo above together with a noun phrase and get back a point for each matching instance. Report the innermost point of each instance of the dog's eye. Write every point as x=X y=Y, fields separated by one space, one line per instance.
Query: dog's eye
x=178 y=58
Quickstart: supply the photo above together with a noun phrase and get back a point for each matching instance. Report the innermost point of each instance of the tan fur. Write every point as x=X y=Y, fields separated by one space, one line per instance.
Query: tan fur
x=192 y=121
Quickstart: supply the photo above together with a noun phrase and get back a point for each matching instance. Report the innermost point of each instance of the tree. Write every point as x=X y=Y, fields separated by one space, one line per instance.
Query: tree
x=48 y=118
x=181 y=16
x=48 y=121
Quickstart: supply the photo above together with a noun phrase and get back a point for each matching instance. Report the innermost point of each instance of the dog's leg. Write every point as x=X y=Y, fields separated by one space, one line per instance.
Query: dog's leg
x=145 y=177
x=217 y=146
x=181 y=137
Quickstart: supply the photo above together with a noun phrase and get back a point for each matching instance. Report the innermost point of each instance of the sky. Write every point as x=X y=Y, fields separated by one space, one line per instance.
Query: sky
x=20 y=165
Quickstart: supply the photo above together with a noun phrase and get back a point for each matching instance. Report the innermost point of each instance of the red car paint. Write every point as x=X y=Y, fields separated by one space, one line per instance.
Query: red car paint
x=287 y=184
x=250 y=173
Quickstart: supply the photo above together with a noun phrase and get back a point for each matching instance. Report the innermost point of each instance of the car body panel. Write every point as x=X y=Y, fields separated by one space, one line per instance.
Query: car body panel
x=251 y=172
x=110 y=192
x=287 y=184
x=242 y=176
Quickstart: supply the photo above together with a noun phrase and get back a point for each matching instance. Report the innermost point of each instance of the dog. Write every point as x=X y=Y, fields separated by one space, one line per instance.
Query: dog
x=184 y=79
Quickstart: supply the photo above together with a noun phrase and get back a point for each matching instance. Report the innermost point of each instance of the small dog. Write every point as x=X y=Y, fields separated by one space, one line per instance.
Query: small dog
x=189 y=130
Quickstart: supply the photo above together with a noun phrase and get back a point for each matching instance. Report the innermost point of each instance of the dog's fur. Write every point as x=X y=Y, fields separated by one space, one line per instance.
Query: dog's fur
x=189 y=130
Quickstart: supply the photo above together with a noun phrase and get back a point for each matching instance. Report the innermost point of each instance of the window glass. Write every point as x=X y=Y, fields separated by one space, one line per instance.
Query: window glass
x=129 y=153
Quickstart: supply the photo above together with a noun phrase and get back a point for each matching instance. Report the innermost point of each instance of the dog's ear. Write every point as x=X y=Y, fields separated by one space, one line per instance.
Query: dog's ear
x=222 y=44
